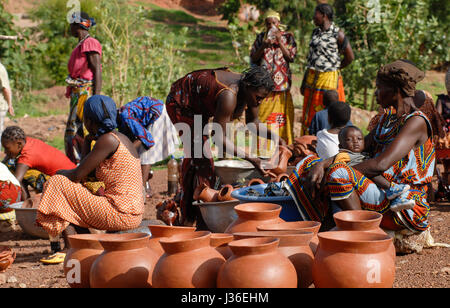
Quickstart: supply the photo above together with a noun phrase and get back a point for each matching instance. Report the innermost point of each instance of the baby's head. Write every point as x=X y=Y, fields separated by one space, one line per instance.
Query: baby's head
x=13 y=140
x=351 y=138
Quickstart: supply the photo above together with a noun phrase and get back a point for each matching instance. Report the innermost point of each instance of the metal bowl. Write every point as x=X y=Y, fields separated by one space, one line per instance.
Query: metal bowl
x=218 y=215
x=233 y=171
x=27 y=221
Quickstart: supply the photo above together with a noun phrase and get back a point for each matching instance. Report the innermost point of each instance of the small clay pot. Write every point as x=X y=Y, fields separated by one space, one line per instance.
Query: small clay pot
x=207 y=194
x=225 y=193
x=220 y=242
x=295 y=246
x=7 y=257
x=282 y=177
x=251 y=215
x=353 y=259
x=310 y=226
x=257 y=263
x=255 y=181
x=126 y=262
x=84 y=250
x=285 y=154
x=158 y=232
x=189 y=261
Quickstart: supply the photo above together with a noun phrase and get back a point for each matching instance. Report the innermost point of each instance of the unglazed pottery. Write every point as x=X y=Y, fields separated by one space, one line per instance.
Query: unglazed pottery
x=126 y=262
x=257 y=263
x=189 y=261
x=255 y=181
x=220 y=242
x=310 y=226
x=7 y=257
x=206 y=194
x=295 y=246
x=225 y=193
x=284 y=155
x=158 y=232
x=251 y=215
x=353 y=259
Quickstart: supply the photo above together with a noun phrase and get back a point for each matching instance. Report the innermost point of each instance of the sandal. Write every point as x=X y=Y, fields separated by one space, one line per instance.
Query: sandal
x=56 y=258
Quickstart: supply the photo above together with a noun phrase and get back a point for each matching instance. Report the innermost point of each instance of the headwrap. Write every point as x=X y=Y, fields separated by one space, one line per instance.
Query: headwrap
x=447 y=80
x=85 y=23
x=102 y=110
x=274 y=14
x=402 y=75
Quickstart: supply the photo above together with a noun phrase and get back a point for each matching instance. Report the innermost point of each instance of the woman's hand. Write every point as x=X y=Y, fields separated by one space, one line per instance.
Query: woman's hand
x=67 y=173
x=258 y=165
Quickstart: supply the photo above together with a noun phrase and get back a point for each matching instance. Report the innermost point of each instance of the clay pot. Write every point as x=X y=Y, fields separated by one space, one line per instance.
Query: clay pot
x=126 y=262
x=251 y=215
x=84 y=250
x=189 y=261
x=255 y=181
x=220 y=242
x=7 y=257
x=205 y=193
x=360 y=220
x=282 y=177
x=158 y=232
x=257 y=263
x=284 y=154
x=225 y=193
x=309 y=226
x=295 y=246
x=353 y=259
x=305 y=145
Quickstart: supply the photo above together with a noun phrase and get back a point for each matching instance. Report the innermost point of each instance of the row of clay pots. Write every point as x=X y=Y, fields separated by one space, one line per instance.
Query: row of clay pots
x=205 y=193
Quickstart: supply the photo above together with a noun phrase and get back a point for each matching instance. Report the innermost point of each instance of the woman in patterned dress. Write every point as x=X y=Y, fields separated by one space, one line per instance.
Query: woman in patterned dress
x=402 y=149
x=274 y=52
x=324 y=64
x=65 y=201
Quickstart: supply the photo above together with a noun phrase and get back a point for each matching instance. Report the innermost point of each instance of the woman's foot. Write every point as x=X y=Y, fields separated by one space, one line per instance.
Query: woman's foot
x=402 y=203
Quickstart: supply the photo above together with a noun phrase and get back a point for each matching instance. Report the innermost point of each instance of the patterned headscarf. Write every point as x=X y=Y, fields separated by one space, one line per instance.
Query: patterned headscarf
x=102 y=110
x=401 y=74
x=85 y=23
x=274 y=14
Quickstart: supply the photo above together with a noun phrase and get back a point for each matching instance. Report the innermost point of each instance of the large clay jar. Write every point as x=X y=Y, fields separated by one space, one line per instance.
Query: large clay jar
x=257 y=263
x=353 y=259
x=84 y=250
x=189 y=261
x=310 y=226
x=251 y=215
x=225 y=193
x=7 y=257
x=220 y=242
x=295 y=246
x=360 y=220
x=158 y=232
x=285 y=154
x=126 y=262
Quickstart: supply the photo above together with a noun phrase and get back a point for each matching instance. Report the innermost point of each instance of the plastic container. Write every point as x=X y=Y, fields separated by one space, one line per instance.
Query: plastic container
x=172 y=176
x=289 y=211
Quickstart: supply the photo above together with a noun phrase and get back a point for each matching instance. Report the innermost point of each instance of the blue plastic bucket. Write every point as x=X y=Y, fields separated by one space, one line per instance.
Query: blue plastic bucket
x=289 y=211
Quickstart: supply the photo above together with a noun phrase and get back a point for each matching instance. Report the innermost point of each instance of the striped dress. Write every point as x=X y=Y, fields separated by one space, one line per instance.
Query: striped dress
x=121 y=208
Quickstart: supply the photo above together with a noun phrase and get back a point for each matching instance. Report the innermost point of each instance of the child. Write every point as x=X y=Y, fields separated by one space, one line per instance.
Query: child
x=30 y=153
x=327 y=139
x=10 y=192
x=351 y=143
x=320 y=119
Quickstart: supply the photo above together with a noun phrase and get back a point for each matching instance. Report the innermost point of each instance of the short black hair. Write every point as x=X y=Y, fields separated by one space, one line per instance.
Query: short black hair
x=13 y=133
x=339 y=114
x=343 y=133
x=326 y=10
x=258 y=77
x=330 y=96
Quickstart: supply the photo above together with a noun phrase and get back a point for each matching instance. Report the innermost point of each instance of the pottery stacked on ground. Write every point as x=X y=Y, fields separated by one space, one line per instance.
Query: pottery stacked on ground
x=159 y=232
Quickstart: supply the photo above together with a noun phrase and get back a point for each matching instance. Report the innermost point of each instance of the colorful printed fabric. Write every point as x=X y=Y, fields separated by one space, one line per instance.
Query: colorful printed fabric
x=315 y=84
x=137 y=115
x=273 y=59
x=277 y=112
x=78 y=65
x=9 y=194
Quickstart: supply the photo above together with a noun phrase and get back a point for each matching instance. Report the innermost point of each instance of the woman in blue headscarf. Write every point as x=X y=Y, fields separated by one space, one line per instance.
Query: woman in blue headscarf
x=66 y=202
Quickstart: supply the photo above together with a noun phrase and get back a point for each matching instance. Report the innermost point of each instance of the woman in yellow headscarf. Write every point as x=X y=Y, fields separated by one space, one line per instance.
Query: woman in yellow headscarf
x=275 y=49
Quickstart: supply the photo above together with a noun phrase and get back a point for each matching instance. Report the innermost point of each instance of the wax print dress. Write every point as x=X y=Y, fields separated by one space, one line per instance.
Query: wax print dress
x=121 y=208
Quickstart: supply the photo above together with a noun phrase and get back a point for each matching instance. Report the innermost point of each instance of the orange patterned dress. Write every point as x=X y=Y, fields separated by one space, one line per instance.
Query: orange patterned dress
x=121 y=208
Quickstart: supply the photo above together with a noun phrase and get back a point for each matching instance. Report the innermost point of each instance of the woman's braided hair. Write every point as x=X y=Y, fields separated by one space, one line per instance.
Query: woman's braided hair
x=257 y=77
x=13 y=133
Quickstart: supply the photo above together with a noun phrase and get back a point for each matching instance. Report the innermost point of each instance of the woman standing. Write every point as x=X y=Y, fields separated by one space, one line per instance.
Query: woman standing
x=84 y=80
x=274 y=49
x=324 y=63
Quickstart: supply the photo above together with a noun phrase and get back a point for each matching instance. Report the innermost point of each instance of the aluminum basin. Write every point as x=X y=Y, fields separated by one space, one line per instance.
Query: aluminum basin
x=218 y=215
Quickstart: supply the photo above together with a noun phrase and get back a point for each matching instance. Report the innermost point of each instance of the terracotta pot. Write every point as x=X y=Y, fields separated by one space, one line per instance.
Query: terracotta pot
x=353 y=259
x=295 y=246
x=255 y=181
x=257 y=263
x=225 y=193
x=305 y=145
x=158 y=232
x=285 y=154
x=189 y=261
x=220 y=242
x=7 y=257
x=310 y=226
x=360 y=220
x=126 y=262
x=282 y=177
x=84 y=250
x=206 y=194
x=251 y=215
